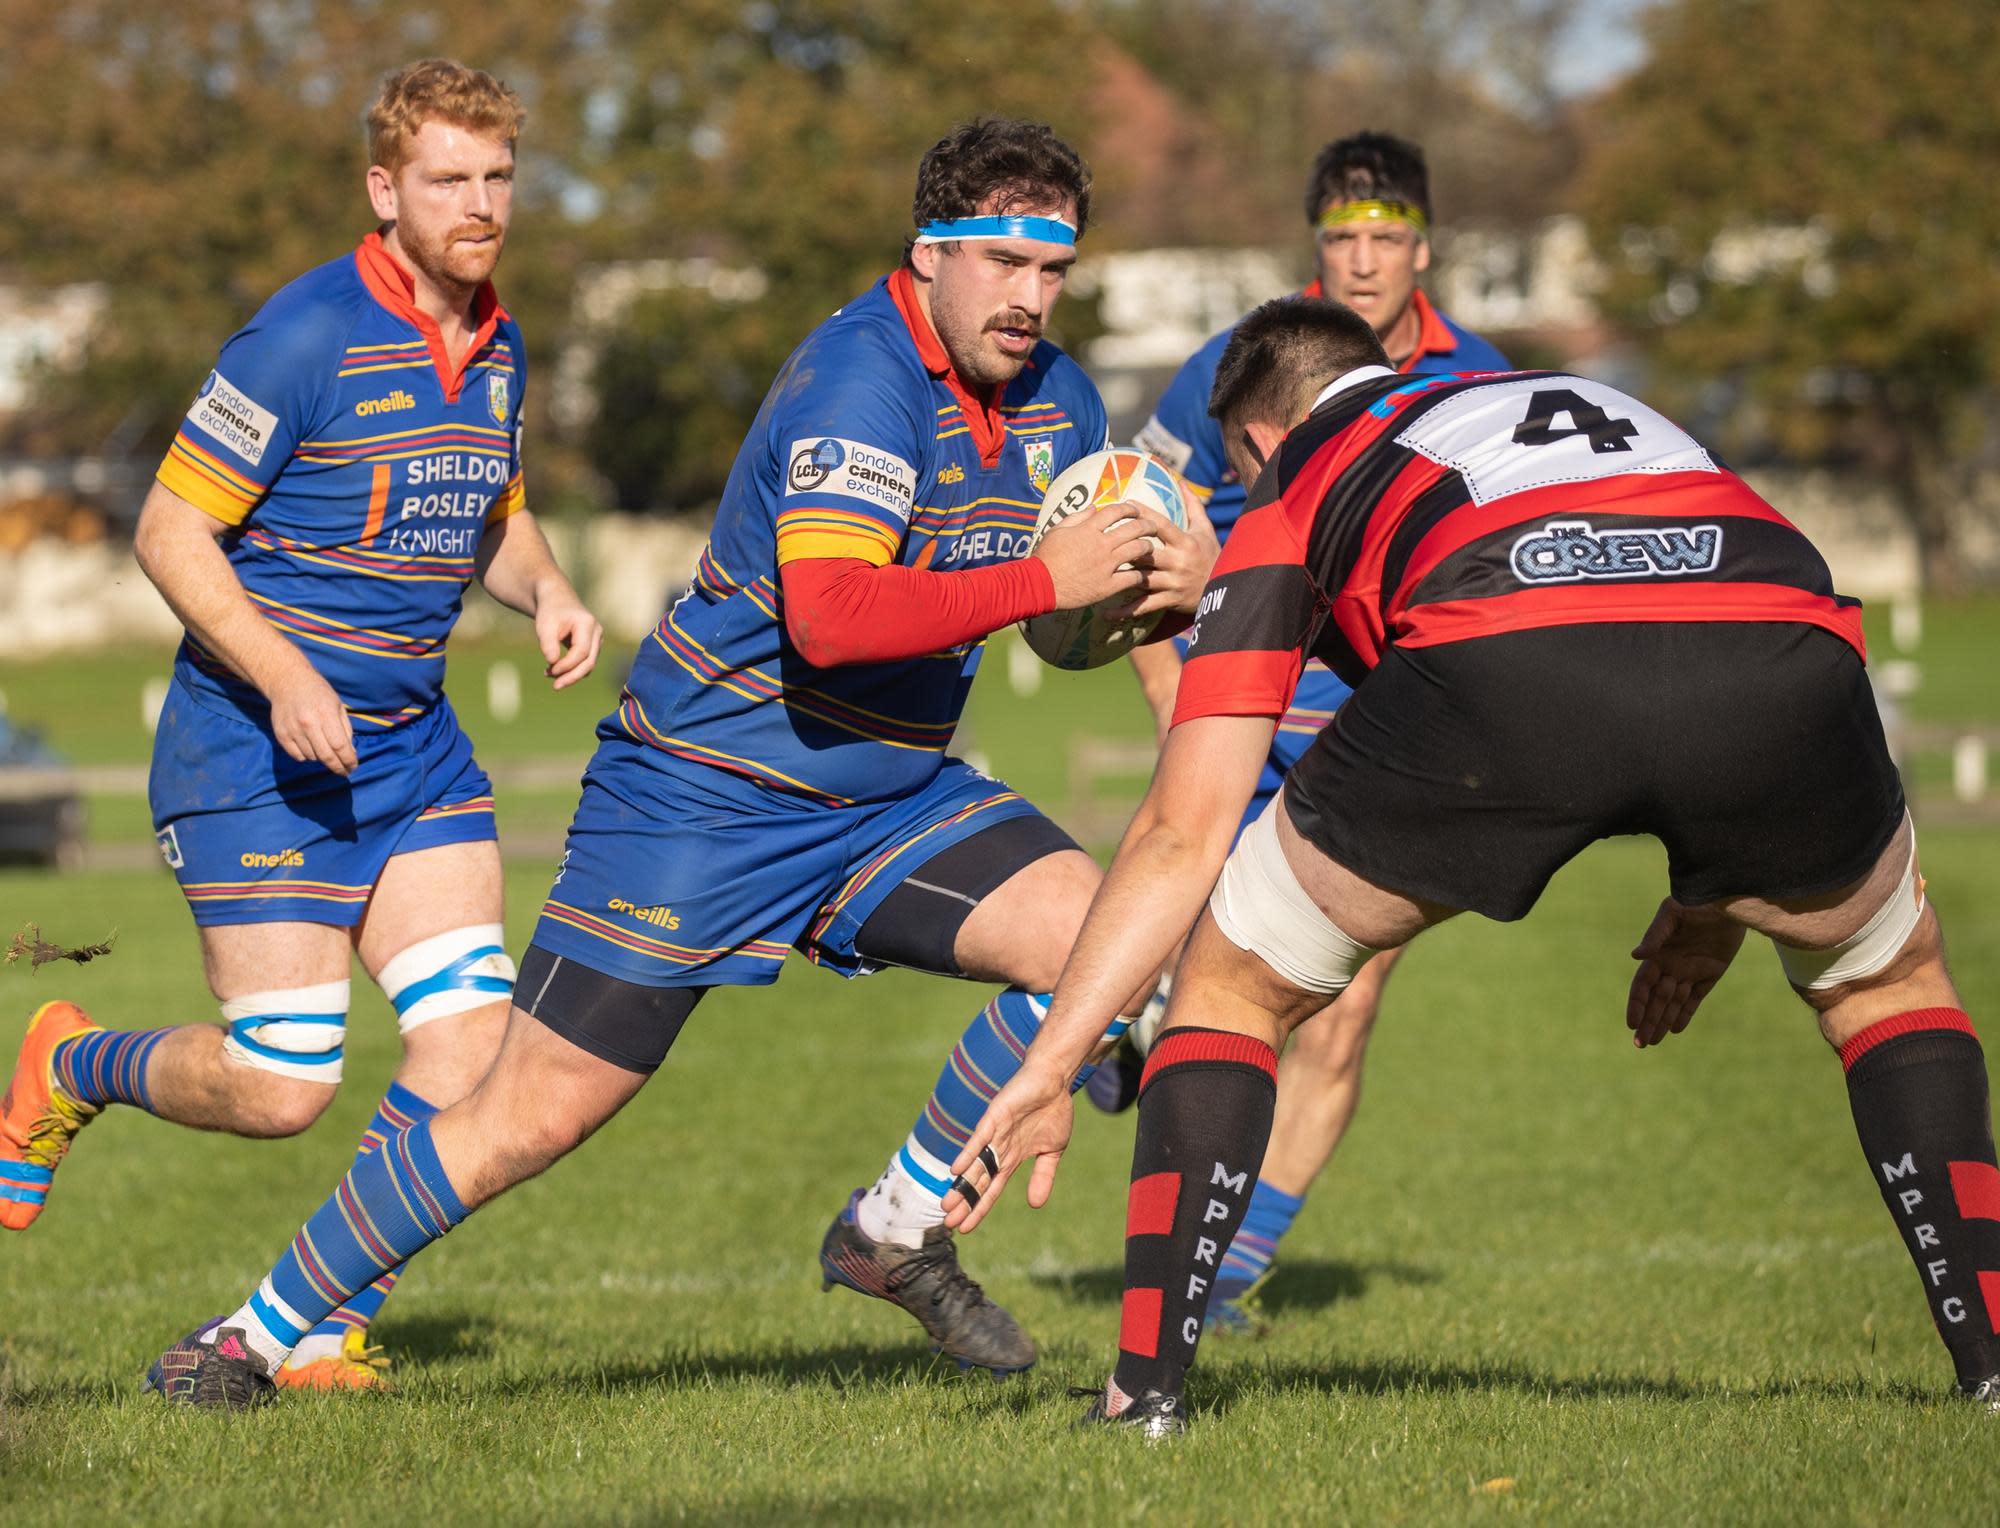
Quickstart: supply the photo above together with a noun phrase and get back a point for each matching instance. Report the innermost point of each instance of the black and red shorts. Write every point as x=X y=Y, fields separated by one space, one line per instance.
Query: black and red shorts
x=1470 y=772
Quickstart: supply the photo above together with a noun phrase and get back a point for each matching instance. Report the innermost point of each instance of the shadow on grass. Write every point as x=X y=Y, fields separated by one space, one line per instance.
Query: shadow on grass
x=437 y=1338
x=840 y=1367
x=1299 y=1285
x=1220 y=1389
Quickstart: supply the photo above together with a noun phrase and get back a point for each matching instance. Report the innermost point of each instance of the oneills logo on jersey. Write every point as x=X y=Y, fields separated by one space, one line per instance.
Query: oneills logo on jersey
x=496 y=396
x=395 y=403
x=1564 y=551
x=661 y=917
x=284 y=859
x=1041 y=455
x=952 y=474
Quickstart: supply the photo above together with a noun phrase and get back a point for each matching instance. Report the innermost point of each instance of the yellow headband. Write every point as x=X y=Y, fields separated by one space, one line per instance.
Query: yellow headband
x=1375 y=211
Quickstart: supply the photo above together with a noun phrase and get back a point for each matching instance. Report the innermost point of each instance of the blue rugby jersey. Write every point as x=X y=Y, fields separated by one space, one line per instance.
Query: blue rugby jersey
x=866 y=446
x=358 y=470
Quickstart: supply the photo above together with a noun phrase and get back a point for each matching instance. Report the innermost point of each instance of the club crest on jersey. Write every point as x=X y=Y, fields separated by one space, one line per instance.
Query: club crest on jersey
x=1564 y=551
x=496 y=396
x=170 y=849
x=1041 y=455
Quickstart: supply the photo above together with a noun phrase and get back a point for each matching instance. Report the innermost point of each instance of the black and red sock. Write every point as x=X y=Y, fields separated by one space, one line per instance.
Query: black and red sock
x=1205 y=1106
x=1917 y=1084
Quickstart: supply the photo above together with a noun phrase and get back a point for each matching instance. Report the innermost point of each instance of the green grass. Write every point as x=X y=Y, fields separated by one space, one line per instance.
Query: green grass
x=1647 y=1288
x=1643 y=1287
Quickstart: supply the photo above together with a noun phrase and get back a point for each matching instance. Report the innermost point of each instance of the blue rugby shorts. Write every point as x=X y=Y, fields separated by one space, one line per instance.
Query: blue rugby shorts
x=254 y=836
x=681 y=875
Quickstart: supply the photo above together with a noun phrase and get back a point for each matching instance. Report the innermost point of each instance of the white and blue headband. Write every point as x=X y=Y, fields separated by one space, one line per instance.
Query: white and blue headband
x=1048 y=230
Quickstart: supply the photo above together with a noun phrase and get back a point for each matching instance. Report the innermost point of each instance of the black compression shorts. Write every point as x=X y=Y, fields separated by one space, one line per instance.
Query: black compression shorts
x=1470 y=772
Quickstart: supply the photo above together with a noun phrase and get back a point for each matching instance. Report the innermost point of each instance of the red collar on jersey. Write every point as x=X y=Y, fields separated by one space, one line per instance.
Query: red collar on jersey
x=1433 y=338
x=390 y=283
x=982 y=415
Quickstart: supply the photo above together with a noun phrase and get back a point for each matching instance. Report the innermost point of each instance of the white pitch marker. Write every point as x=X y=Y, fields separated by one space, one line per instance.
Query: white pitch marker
x=503 y=691
x=152 y=701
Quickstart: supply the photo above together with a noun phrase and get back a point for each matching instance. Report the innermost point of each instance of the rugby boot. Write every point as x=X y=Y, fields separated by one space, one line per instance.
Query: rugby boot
x=1114 y=1085
x=1985 y=1393
x=1238 y=1312
x=927 y=1282
x=213 y=1369
x=355 y=1367
x=38 y=1119
x=1154 y=1415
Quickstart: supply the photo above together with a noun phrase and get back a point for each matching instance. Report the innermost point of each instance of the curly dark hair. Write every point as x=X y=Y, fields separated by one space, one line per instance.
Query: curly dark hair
x=1365 y=167
x=1031 y=168
x=1283 y=353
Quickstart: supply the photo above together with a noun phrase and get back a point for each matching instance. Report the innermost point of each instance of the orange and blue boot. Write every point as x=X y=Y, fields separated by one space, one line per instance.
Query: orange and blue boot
x=38 y=1119
x=356 y=1366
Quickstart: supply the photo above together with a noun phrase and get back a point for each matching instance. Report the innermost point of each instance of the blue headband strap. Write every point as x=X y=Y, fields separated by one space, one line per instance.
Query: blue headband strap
x=1048 y=230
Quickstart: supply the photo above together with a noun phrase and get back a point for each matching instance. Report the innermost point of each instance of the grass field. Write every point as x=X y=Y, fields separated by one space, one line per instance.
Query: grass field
x=1547 y=1278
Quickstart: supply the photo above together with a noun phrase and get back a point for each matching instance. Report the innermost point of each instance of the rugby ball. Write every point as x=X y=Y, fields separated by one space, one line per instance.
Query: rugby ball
x=1082 y=639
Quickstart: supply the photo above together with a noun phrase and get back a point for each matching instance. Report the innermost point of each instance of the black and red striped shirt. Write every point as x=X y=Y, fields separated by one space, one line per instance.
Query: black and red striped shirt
x=1419 y=510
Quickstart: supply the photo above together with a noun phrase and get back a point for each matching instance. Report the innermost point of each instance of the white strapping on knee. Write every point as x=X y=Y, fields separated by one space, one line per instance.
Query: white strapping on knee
x=448 y=973
x=294 y=1032
x=1878 y=941
x=1260 y=906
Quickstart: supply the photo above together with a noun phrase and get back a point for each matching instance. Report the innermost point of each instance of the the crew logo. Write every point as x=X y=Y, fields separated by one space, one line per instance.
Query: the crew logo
x=395 y=403
x=1041 y=455
x=1564 y=551
x=660 y=917
x=284 y=859
x=496 y=396
x=815 y=463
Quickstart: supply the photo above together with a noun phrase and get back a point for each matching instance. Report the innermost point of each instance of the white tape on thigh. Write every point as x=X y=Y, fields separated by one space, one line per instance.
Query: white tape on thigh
x=449 y=973
x=1880 y=940
x=296 y=1032
x=1260 y=906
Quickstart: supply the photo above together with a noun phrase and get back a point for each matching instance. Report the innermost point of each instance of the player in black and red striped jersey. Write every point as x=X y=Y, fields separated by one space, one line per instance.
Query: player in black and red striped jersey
x=1564 y=621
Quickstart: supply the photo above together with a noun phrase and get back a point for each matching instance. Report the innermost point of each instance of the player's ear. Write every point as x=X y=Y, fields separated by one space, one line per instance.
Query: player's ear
x=1423 y=257
x=1266 y=437
x=923 y=260
x=382 y=193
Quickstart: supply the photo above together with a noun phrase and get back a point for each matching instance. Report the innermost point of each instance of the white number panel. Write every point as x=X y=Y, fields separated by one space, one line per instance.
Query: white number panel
x=1535 y=432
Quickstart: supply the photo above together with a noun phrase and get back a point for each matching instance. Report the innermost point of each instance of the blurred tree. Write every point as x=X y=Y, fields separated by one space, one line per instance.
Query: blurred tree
x=1271 y=81
x=194 y=157
x=1797 y=199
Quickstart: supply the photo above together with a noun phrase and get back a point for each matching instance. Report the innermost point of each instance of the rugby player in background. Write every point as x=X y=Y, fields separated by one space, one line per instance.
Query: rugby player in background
x=776 y=777
x=350 y=465
x=1368 y=203
x=1564 y=621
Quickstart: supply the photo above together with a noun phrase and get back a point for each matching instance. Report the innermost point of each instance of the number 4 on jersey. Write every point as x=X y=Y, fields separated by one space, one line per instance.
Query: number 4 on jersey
x=1604 y=432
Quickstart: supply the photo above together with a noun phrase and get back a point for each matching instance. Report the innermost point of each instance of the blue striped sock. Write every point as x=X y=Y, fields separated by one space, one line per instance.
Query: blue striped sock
x=987 y=1054
x=391 y=1205
x=398 y=1111
x=108 y=1066
x=1269 y=1217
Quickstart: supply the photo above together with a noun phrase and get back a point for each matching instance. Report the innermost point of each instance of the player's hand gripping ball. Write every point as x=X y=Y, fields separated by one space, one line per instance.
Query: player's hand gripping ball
x=1081 y=639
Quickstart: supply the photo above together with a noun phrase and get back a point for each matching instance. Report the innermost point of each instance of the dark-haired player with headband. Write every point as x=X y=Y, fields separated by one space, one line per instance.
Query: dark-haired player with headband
x=1564 y=621
x=776 y=777
x=1368 y=205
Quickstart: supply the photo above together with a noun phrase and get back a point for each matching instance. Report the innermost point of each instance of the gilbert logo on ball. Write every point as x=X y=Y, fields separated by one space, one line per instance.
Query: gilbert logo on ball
x=1081 y=639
